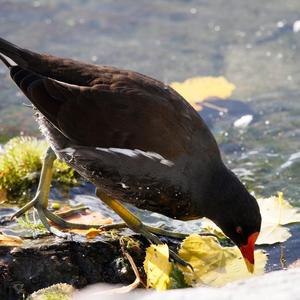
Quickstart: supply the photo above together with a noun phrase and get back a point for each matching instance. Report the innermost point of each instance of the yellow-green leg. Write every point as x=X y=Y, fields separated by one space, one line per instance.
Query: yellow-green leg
x=40 y=203
x=41 y=197
x=135 y=223
x=40 y=200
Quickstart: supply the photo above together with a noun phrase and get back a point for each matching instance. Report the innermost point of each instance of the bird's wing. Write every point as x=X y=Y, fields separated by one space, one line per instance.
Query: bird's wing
x=108 y=107
x=117 y=111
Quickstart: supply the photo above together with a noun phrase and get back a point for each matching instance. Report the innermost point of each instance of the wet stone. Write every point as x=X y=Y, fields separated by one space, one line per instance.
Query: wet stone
x=49 y=260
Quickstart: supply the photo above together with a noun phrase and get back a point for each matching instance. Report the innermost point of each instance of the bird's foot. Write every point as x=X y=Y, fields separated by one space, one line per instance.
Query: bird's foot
x=42 y=213
x=155 y=240
x=135 y=224
x=57 y=221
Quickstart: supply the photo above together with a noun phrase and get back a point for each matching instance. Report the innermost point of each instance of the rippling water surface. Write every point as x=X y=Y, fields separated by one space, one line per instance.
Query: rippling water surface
x=254 y=44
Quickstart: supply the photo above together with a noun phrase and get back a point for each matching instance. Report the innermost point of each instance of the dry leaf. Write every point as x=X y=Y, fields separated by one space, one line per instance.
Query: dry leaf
x=213 y=264
x=92 y=233
x=210 y=226
x=197 y=89
x=89 y=218
x=157 y=267
x=273 y=234
x=275 y=212
x=10 y=240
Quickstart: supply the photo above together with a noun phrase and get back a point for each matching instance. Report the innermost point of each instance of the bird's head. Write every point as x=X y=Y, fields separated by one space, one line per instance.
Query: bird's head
x=243 y=228
x=237 y=213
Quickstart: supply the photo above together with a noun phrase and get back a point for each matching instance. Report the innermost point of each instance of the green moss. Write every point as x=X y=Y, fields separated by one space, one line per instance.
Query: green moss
x=59 y=291
x=21 y=163
x=55 y=296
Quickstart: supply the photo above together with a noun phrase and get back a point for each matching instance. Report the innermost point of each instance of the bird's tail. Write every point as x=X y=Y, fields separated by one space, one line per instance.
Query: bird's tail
x=14 y=52
x=42 y=64
x=58 y=68
x=5 y=61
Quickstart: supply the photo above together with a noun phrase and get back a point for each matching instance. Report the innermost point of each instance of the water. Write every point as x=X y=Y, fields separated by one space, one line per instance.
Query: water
x=253 y=44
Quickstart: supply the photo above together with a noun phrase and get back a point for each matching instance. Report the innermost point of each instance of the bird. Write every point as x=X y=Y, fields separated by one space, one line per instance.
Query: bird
x=137 y=140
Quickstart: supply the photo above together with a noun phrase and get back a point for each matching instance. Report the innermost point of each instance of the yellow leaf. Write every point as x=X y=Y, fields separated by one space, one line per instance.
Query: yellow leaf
x=276 y=211
x=92 y=233
x=213 y=264
x=210 y=226
x=157 y=267
x=88 y=217
x=272 y=234
x=197 y=89
x=10 y=240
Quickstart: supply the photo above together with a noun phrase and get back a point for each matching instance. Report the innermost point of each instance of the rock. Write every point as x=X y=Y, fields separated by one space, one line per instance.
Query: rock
x=243 y=121
x=296 y=26
x=49 y=260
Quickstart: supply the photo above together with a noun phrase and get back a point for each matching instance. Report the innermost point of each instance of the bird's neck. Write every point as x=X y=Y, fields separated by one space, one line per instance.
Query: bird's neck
x=216 y=190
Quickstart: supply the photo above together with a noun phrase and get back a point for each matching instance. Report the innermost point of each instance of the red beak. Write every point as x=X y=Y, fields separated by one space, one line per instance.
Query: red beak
x=248 y=251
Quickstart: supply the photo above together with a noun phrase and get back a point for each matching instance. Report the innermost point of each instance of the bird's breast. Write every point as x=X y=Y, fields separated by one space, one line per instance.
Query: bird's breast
x=162 y=190
x=162 y=198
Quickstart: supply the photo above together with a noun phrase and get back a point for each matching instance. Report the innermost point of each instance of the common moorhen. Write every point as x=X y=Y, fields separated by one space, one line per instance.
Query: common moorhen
x=137 y=140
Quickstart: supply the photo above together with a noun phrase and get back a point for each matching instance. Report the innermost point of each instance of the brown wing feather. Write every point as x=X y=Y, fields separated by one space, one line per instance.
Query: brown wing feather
x=108 y=107
x=125 y=112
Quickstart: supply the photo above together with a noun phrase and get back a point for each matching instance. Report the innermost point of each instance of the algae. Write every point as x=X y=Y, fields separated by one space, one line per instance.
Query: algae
x=20 y=166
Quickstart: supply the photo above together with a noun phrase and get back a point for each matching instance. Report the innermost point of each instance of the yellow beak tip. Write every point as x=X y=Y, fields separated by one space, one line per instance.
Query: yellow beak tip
x=250 y=266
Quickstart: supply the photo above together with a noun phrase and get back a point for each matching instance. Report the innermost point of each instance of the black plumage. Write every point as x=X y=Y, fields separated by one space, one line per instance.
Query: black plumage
x=135 y=138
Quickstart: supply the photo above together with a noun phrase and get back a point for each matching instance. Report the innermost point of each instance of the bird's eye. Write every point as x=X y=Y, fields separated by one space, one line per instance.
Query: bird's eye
x=239 y=229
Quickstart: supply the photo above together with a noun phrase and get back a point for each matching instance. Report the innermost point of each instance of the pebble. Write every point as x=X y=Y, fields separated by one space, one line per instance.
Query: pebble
x=296 y=26
x=243 y=121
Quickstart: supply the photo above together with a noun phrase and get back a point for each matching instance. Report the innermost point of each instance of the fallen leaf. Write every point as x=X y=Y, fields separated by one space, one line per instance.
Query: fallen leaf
x=213 y=264
x=10 y=240
x=197 y=89
x=90 y=218
x=157 y=267
x=210 y=226
x=276 y=211
x=272 y=234
x=92 y=233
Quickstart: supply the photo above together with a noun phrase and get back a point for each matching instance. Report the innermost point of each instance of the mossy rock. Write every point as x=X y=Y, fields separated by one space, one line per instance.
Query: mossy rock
x=47 y=261
x=21 y=163
x=60 y=291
